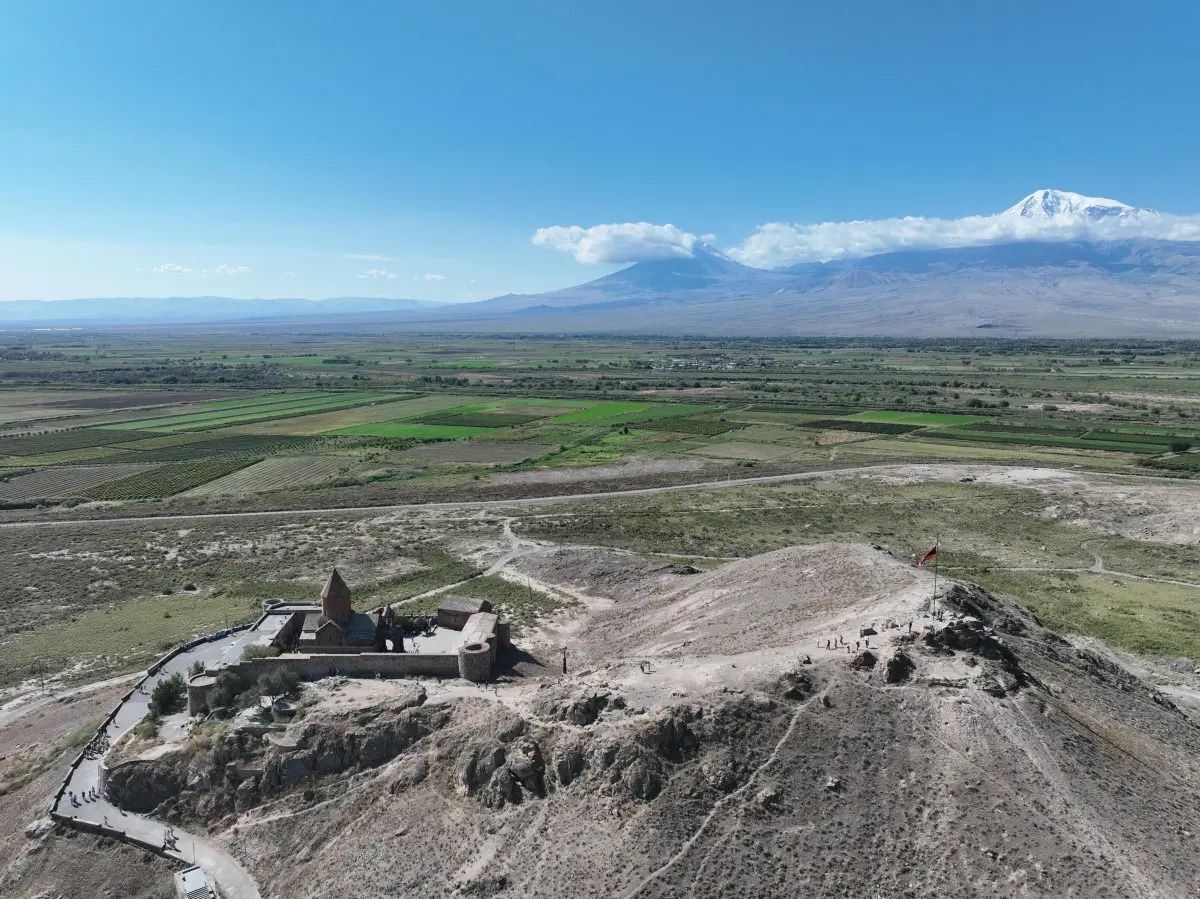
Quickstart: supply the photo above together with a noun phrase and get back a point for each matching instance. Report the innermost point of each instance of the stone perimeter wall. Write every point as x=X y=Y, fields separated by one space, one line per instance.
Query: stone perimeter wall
x=357 y=664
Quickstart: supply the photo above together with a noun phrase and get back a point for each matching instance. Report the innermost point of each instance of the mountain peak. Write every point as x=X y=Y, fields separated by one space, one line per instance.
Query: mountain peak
x=1063 y=205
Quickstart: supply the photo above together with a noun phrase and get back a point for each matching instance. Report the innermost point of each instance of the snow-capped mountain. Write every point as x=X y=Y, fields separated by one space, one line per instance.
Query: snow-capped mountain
x=1065 y=207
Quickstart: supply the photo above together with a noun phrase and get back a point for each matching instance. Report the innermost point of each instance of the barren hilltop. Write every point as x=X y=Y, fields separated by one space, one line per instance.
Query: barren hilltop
x=802 y=722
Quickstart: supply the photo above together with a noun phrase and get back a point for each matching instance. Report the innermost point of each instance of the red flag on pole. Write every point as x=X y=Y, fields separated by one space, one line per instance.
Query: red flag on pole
x=930 y=556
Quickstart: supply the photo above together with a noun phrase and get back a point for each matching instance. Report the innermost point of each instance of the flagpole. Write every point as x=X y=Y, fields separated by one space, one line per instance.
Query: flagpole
x=936 y=540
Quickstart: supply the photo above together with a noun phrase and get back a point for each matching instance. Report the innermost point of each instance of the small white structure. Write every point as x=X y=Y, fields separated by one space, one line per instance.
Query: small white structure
x=191 y=883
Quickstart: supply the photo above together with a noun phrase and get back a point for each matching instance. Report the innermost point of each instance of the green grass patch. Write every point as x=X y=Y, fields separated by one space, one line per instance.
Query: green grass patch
x=618 y=412
x=1047 y=430
x=1136 y=616
x=1188 y=462
x=703 y=427
x=121 y=638
x=850 y=424
x=1114 y=446
x=480 y=419
x=438 y=569
x=922 y=419
x=413 y=430
x=524 y=606
x=1165 y=441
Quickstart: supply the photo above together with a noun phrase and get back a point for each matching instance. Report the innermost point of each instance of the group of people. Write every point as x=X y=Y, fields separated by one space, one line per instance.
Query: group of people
x=97 y=747
x=839 y=642
x=90 y=795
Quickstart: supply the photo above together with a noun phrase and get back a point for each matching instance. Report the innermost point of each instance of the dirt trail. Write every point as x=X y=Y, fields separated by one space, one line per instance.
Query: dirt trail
x=1034 y=478
x=721 y=805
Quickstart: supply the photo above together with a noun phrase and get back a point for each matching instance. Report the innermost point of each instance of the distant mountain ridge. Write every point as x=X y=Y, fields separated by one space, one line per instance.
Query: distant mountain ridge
x=1066 y=286
x=159 y=310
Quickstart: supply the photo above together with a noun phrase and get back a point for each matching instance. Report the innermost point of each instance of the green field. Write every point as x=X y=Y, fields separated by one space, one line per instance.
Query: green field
x=245 y=413
x=1116 y=446
x=480 y=419
x=414 y=431
x=868 y=426
x=923 y=419
x=627 y=413
x=173 y=424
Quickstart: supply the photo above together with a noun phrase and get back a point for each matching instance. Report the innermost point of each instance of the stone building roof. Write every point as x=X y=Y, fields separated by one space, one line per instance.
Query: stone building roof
x=360 y=629
x=335 y=587
x=466 y=604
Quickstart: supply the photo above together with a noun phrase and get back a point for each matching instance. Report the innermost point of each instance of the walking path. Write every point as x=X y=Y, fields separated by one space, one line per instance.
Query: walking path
x=229 y=876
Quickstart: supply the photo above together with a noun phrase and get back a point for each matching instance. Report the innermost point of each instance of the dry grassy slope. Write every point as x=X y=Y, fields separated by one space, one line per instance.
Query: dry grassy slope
x=38 y=860
x=1007 y=763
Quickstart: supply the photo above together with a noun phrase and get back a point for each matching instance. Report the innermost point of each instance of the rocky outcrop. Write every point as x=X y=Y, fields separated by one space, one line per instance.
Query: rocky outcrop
x=210 y=776
x=898 y=668
x=141 y=786
x=796 y=685
x=325 y=750
x=864 y=661
x=984 y=638
x=582 y=710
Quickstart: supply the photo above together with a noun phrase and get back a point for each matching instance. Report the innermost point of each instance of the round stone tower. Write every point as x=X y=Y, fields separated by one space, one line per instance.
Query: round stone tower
x=198 y=688
x=475 y=662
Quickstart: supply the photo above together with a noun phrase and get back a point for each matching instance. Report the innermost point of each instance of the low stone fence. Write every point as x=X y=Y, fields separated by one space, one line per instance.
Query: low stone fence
x=113 y=833
x=108 y=720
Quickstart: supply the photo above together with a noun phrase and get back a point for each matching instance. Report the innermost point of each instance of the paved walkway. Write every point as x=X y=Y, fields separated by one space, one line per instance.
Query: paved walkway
x=229 y=876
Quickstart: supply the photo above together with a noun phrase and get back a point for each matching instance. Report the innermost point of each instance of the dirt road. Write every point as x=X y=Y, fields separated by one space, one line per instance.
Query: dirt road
x=931 y=471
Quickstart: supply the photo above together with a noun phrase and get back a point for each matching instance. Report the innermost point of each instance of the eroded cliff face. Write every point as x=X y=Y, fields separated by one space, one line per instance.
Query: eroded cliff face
x=230 y=769
x=491 y=754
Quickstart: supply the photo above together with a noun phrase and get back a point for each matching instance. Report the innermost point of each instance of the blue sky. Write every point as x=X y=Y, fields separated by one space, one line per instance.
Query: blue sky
x=288 y=149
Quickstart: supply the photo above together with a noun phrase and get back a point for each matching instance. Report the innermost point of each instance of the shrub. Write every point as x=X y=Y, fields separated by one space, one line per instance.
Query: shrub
x=225 y=690
x=82 y=734
x=259 y=652
x=277 y=684
x=167 y=694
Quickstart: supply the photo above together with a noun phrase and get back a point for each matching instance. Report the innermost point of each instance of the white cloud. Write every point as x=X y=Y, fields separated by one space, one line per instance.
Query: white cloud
x=778 y=244
x=378 y=274
x=368 y=257
x=174 y=268
x=430 y=276
x=619 y=243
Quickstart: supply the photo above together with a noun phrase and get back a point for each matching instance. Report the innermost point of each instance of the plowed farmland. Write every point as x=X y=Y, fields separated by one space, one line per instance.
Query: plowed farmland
x=54 y=483
x=279 y=473
x=167 y=480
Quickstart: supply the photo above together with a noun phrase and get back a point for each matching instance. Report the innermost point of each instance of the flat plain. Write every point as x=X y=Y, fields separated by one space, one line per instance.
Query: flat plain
x=273 y=423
